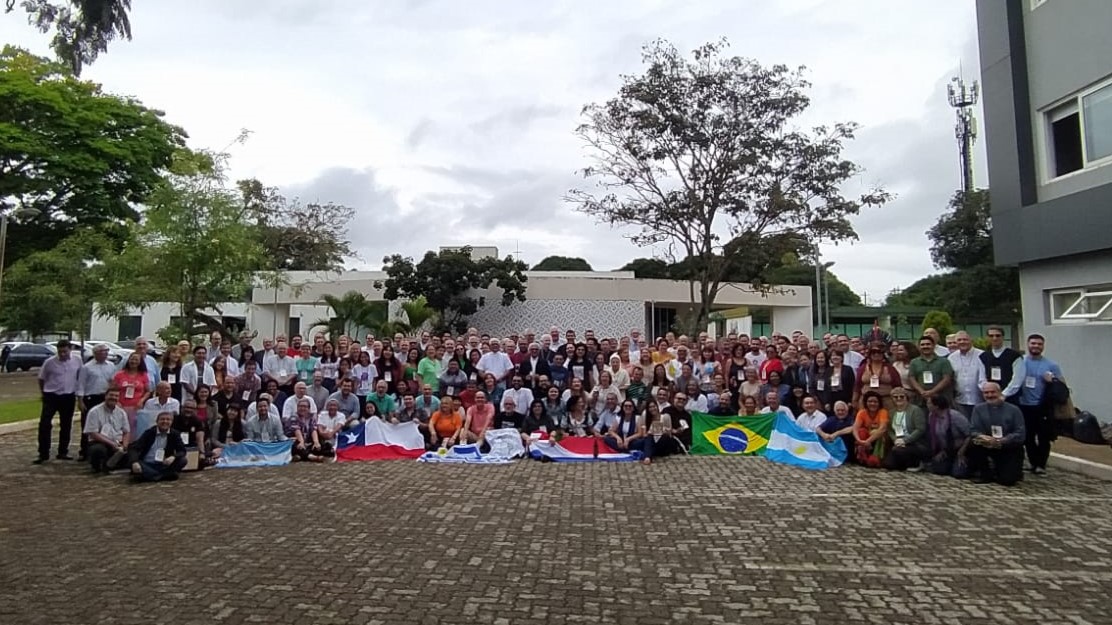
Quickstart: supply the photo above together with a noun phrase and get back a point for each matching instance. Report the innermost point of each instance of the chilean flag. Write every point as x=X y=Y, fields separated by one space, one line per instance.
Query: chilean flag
x=579 y=449
x=375 y=439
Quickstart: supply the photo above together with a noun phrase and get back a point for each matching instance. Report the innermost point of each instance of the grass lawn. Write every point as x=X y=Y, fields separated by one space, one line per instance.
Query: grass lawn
x=19 y=410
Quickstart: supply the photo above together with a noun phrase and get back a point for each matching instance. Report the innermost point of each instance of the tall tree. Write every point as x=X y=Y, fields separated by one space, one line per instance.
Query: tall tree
x=973 y=287
x=78 y=156
x=53 y=290
x=296 y=236
x=449 y=282
x=193 y=247
x=562 y=263
x=700 y=153
x=82 y=28
x=653 y=268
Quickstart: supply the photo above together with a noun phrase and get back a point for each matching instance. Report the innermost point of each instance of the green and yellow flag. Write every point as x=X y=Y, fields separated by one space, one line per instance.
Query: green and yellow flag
x=735 y=436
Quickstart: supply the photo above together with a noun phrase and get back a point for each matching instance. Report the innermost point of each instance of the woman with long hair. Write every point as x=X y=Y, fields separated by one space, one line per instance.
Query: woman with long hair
x=537 y=423
x=329 y=367
x=578 y=365
x=654 y=434
x=169 y=371
x=870 y=431
x=660 y=381
x=412 y=360
x=625 y=431
x=133 y=382
x=389 y=367
x=219 y=370
x=877 y=375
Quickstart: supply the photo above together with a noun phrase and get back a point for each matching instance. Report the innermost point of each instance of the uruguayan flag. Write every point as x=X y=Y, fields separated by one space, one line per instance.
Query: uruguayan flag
x=791 y=444
x=252 y=454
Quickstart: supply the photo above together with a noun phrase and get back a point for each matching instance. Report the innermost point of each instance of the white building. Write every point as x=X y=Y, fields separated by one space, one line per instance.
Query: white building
x=610 y=303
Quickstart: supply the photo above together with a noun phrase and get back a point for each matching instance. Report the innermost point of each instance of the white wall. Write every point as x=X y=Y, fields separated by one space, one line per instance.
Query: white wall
x=1082 y=348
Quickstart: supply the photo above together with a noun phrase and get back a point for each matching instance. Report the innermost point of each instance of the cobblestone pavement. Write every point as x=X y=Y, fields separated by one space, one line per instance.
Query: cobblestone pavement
x=688 y=540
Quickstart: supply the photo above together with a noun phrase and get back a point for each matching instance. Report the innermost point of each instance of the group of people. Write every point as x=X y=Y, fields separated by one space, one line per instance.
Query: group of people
x=948 y=408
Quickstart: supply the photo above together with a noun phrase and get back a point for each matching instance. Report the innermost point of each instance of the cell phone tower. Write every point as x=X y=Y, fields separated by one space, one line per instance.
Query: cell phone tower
x=963 y=98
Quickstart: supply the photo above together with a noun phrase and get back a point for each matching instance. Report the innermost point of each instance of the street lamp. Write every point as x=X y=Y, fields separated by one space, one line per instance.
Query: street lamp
x=826 y=288
x=19 y=212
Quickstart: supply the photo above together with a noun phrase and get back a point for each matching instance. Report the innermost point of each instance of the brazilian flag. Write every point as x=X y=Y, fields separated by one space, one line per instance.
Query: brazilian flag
x=734 y=436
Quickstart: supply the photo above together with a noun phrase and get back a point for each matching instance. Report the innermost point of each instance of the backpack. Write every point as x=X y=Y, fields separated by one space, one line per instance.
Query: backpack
x=1086 y=429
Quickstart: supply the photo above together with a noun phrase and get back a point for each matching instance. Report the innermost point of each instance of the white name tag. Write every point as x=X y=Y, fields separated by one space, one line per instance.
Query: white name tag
x=928 y=377
x=577 y=372
x=281 y=373
x=1029 y=381
x=159 y=455
x=474 y=377
x=740 y=376
x=997 y=431
x=836 y=382
x=246 y=395
x=389 y=377
x=820 y=385
x=129 y=392
x=451 y=390
x=171 y=378
x=995 y=374
x=874 y=382
x=185 y=438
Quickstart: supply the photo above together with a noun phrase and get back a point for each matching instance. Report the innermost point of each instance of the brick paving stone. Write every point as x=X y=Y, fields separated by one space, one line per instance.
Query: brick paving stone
x=687 y=540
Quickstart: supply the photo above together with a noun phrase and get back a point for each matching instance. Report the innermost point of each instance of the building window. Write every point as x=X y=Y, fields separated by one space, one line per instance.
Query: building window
x=294 y=327
x=129 y=328
x=1079 y=131
x=1097 y=107
x=1081 y=305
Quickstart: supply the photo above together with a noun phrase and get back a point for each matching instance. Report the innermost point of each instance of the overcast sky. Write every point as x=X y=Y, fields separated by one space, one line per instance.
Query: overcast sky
x=447 y=123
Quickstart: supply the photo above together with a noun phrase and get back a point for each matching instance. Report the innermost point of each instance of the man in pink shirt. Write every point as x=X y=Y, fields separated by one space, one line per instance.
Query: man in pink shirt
x=479 y=418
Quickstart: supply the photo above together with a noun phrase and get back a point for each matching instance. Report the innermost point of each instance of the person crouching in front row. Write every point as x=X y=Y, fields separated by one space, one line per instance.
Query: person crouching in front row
x=159 y=453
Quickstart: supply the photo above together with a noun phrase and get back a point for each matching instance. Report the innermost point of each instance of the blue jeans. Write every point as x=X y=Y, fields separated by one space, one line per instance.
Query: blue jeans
x=156 y=471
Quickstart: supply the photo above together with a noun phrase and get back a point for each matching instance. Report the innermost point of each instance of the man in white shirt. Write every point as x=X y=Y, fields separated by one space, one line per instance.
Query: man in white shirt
x=772 y=405
x=282 y=368
x=162 y=402
x=329 y=423
x=109 y=434
x=289 y=409
x=849 y=357
x=969 y=374
x=812 y=418
x=197 y=372
x=497 y=363
x=522 y=396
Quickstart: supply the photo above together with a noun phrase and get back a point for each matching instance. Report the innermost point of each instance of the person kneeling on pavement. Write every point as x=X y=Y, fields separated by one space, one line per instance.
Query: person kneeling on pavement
x=159 y=453
x=108 y=434
x=302 y=428
x=997 y=435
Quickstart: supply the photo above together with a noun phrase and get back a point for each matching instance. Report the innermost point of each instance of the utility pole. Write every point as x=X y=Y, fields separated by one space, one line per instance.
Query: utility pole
x=963 y=98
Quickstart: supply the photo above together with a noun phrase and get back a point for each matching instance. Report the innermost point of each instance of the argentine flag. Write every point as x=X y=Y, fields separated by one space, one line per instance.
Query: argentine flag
x=254 y=454
x=791 y=444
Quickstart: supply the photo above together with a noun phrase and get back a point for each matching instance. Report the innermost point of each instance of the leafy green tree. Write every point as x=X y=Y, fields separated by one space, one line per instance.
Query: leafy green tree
x=53 y=290
x=193 y=247
x=353 y=314
x=81 y=157
x=82 y=28
x=803 y=274
x=939 y=320
x=974 y=287
x=654 y=268
x=296 y=236
x=693 y=148
x=449 y=282
x=562 y=263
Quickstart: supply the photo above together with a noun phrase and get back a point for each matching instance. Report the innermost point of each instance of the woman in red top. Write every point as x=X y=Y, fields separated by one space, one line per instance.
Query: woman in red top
x=134 y=385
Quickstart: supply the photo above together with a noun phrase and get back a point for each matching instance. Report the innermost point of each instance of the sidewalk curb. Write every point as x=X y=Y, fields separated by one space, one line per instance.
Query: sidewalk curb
x=1085 y=467
x=22 y=426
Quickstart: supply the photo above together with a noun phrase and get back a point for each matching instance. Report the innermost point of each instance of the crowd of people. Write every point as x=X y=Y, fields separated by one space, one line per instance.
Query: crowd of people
x=940 y=406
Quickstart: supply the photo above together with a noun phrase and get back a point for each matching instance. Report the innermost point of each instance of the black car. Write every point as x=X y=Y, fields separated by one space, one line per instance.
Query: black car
x=23 y=356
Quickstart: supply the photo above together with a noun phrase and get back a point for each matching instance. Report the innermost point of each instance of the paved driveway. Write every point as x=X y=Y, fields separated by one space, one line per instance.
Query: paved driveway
x=689 y=540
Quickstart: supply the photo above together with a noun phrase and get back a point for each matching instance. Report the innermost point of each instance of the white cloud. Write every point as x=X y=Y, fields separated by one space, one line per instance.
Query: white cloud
x=446 y=122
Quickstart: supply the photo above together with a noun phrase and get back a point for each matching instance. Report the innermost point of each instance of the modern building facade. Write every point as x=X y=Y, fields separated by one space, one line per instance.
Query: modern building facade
x=1046 y=76
x=610 y=303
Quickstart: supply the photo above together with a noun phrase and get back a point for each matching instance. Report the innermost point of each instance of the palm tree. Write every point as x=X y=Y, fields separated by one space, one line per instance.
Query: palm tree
x=352 y=312
x=82 y=28
x=417 y=314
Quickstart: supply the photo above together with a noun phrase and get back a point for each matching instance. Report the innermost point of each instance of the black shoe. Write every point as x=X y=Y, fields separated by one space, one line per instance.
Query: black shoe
x=63 y=457
x=39 y=460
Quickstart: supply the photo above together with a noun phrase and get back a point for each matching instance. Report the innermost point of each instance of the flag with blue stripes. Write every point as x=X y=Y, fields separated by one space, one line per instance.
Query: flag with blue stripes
x=253 y=454
x=798 y=446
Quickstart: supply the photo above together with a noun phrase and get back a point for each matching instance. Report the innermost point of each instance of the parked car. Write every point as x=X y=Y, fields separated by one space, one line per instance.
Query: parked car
x=116 y=353
x=152 y=348
x=24 y=356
